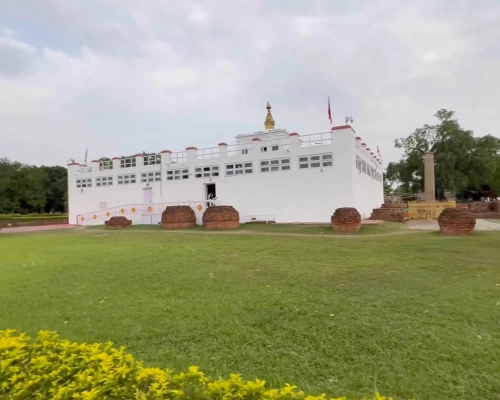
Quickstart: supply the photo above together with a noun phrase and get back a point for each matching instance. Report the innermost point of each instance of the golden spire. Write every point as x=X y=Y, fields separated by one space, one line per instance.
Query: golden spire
x=269 y=122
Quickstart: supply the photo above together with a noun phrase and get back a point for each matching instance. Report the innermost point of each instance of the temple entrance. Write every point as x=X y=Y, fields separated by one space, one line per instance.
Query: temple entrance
x=210 y=194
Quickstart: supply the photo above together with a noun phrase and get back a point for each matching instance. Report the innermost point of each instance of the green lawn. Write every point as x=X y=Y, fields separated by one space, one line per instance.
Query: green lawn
x=413 y=315
x=288 y=229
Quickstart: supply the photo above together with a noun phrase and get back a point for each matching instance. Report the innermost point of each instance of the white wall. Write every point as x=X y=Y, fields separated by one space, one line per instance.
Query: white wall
x=368 y=192
x=297 y=195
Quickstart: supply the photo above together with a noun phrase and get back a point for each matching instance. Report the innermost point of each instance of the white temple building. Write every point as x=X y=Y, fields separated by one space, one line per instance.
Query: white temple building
x=269 y=175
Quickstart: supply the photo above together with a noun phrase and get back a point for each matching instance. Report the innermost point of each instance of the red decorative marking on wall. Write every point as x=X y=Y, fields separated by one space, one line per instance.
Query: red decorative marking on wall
x=165 y=151
x=358 y=138
x=95 y=160
x=338 y=128
x=139 y=155
x=191 y=148
x=256 y=139
x=116 y=158
x=363 y=144
x=222 y=144
x=294 y=134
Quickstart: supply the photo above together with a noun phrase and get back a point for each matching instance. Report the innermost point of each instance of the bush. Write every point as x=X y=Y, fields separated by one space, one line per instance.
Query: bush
x=52 y=368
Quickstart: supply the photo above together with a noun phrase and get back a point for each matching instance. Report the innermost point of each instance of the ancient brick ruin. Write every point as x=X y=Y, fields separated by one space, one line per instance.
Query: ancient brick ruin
x=392 y=212
x=178 y=217
x=221 y=217
x=485 y=209
x=118 y=222
x=456 y=221
x=346 y=219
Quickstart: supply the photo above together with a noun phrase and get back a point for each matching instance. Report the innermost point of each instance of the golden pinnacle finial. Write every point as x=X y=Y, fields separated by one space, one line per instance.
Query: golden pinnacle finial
x=269 y=122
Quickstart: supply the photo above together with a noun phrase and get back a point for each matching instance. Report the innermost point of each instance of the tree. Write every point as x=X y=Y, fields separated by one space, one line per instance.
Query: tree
x=25 y=188
x=462 y=162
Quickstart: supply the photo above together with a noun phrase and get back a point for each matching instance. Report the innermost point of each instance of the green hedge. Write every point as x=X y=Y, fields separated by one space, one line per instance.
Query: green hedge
x=32 y=218
x=52 y=368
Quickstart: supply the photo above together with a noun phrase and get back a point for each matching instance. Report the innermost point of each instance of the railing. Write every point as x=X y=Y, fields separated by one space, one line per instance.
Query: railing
x=178 y=158
x=84 y=168
x=140 y=209
x=239 y=149
x=316 y=139
x=428 y=211
x=211 y=152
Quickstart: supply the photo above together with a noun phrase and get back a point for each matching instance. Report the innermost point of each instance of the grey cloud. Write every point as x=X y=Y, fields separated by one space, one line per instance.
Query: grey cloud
x=16 y=59
x=171 y=74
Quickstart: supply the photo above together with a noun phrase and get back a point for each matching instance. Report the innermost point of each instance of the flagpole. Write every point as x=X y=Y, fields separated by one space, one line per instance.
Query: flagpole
x=329 y=115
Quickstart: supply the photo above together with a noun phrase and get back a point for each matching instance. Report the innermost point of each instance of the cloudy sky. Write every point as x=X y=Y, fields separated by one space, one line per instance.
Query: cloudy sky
x=125 y=76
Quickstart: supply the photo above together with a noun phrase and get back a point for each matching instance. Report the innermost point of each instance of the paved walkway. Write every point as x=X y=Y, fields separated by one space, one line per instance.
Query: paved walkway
x=21 y=229
x=481 y=225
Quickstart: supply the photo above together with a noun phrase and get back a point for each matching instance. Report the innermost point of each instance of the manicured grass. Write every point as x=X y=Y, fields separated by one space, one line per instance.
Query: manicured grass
x=413 y=315
x=380 y=229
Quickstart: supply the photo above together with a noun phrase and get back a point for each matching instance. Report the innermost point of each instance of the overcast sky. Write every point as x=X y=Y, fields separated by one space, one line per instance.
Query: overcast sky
x=125 y=76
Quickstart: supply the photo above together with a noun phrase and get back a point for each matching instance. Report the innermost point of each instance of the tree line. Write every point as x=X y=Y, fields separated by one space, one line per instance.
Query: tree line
x=31 y=189
x=464 y=164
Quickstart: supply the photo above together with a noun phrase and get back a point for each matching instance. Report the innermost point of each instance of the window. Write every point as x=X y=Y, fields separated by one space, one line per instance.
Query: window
x=358 y=163
x=275 y=165
x=363 y=166
x=104 y=181
x=177 y=174
x=244 y=151
x=275 y=148
x=127 y=162
x=152 y=159
x=84 y=183
x=263 y=149
x=206 y=172
x=239 y=169
x=316 y=161
x=105 y=164
x=151 y=176
x=126 y=179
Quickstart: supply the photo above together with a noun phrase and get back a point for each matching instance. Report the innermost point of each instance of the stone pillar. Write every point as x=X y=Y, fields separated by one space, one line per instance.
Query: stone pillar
x=139 y=160
x=430 y=186
x=116 y=163
x=222 y=150
x=191 y=154
x=166 y=157
x=294 y=140
x=95 y=165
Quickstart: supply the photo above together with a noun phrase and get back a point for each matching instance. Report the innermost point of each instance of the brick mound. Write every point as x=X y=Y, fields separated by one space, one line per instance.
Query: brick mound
x=391 y=212
x=486 y=215
x=346 y=219
x=221 y=217
x=456 y=221
x=485 y=209
x=178 y=217
x=118 y=222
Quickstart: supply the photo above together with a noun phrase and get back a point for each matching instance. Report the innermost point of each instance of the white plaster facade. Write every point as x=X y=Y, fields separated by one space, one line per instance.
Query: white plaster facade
x=287 y=191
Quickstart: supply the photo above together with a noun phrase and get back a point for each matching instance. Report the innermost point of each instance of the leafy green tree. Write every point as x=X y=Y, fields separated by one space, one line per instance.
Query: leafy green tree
x=462 y=162
x=25 y=188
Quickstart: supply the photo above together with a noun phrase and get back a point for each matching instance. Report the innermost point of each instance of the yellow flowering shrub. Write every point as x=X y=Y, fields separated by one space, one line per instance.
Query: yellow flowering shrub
x=52 y=368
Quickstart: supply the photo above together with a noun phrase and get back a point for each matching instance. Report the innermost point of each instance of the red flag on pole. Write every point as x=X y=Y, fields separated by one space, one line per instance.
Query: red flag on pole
x=329 y=111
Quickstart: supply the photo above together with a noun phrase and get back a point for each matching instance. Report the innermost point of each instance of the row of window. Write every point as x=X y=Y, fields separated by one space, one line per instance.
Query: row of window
x=154 y=159
x=129 y=162
x=363 y=166
x=279 y=164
